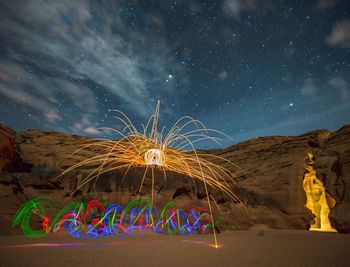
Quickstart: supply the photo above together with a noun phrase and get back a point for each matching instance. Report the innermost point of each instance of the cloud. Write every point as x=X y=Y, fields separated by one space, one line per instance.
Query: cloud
x=91 y=130
x=30 y=101
x=341 y=85
x=81 y=96
x=325 y=4
x=28 y=90
x=223 y=75
x=81 y=39
x=234 y=8
x=309 y=89
x=340 y=35
x=85 y=126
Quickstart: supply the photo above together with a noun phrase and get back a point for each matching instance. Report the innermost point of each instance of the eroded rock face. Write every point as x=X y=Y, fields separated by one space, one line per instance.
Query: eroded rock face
x=10 y=157
x=7 y=141
x=333 y=167
x=273 y=173
x=269 y=178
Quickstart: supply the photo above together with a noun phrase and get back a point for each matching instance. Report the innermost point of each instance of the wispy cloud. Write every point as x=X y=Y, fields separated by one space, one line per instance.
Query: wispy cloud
x=234 y=8
x=71 y=41
x=308 y=89
x=325 y=4
x=340 y=35
x=26 y=89
x=342 y=87
x=85 y=126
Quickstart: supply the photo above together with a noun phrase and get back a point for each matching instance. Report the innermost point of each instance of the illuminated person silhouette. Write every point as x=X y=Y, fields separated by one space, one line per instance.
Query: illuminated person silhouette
x=154 y=157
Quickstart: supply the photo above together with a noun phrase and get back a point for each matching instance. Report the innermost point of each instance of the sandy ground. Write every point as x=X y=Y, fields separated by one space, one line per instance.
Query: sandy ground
x=239 y=248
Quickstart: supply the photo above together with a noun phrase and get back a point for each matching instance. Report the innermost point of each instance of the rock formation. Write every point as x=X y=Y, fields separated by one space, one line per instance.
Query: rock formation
x=269 y=177
x=6 y=148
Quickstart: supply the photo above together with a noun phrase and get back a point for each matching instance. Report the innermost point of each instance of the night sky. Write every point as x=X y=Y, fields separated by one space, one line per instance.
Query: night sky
x=247 y=68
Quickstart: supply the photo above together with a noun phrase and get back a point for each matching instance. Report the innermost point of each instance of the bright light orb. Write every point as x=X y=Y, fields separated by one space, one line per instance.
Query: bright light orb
x=154 y=157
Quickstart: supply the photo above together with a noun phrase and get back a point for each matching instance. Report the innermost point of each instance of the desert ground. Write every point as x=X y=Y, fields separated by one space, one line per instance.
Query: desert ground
x=256 y=247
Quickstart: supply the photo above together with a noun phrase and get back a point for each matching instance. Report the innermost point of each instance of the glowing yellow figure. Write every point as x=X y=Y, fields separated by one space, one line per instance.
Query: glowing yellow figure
x=318 y=200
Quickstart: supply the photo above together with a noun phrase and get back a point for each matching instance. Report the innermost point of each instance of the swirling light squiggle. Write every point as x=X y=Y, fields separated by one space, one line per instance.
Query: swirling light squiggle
x=99 y=220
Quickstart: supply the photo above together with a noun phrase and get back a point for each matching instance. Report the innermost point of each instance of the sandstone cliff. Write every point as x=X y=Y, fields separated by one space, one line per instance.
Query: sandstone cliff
x=269 y=178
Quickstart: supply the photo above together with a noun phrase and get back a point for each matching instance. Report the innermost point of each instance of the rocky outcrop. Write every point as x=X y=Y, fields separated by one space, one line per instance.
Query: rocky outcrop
x=269 y=176
x=273 y=170
x=10 y=156
x=7 y=141
x=333 y=167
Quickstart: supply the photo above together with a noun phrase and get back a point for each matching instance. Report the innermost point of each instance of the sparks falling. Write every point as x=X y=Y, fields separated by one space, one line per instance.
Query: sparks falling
x=153 y=149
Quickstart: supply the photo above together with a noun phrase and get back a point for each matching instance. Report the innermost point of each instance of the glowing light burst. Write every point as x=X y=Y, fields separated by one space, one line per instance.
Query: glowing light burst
x=174 y=152
x=154 y=157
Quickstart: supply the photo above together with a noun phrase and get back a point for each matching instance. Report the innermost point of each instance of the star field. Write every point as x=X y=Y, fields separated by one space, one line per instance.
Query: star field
x=247 y=68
